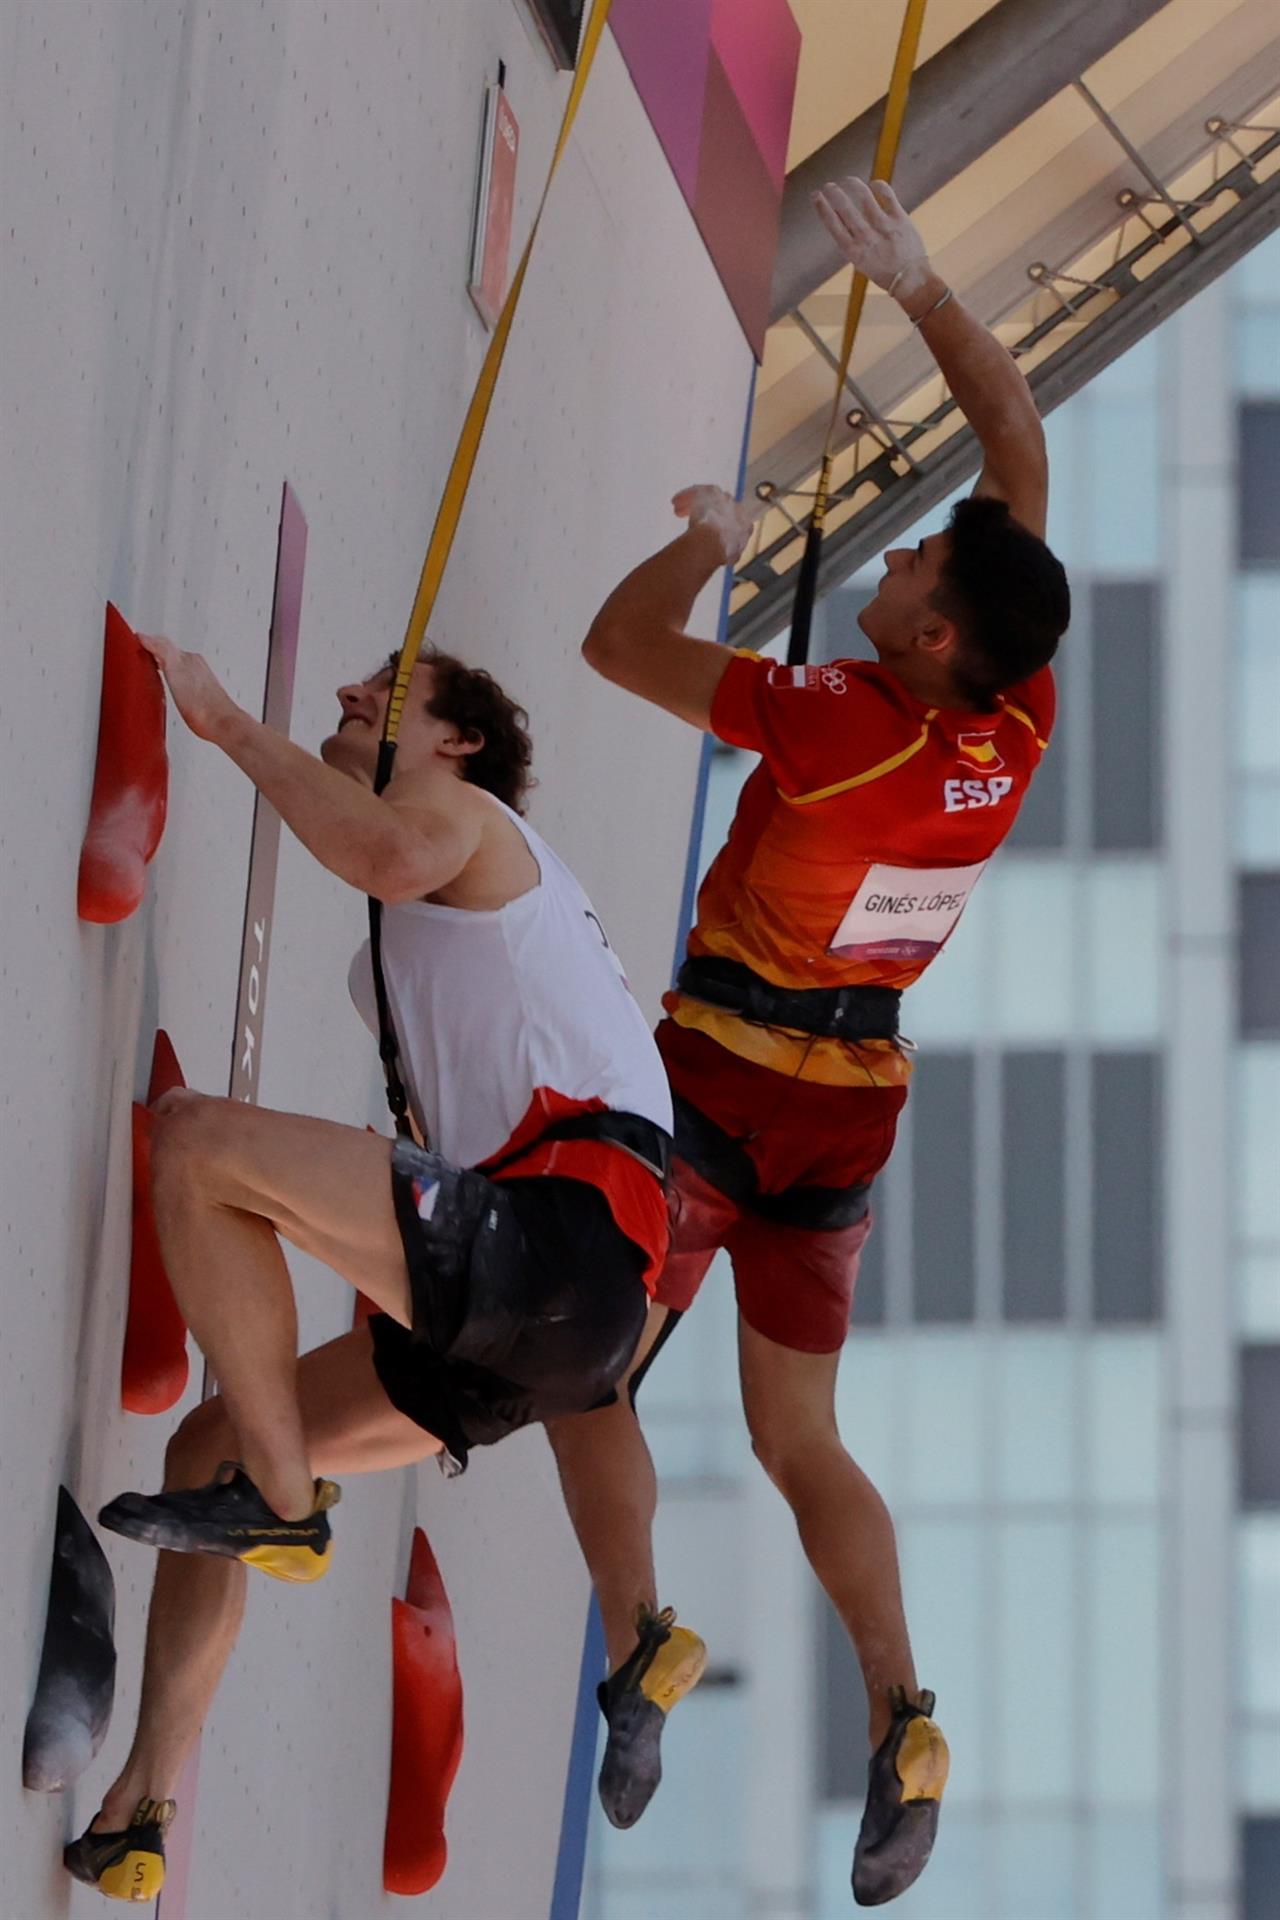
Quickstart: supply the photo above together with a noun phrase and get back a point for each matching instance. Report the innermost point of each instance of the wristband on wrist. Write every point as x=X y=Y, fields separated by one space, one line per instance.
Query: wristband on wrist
x=937 y=307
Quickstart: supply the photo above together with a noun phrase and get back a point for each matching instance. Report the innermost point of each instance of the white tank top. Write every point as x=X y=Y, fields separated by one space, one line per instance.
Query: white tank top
x=491 y=1007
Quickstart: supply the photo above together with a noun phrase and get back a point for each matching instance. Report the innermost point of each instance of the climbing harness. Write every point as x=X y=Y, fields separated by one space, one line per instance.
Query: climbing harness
x=838 y=1013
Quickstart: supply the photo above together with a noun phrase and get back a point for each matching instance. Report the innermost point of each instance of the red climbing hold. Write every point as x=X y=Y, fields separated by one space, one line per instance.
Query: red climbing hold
x=153 y=1370
x=426 y=1727
x=130 y=781
x=166 y=1074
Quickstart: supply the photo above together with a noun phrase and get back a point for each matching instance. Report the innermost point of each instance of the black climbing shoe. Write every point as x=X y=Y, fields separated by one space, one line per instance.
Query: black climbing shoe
x=230 y=1517
x=128 y=1865
x=635 y=1701
x=904 y=1792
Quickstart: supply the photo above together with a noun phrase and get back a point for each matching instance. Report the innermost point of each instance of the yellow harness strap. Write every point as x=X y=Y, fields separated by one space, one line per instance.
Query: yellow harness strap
x=440 y=546
x=895 y=112
x=455 y=488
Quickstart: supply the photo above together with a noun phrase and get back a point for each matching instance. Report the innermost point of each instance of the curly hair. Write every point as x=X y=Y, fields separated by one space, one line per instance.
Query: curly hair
x=472 y=701
x=1007 y=594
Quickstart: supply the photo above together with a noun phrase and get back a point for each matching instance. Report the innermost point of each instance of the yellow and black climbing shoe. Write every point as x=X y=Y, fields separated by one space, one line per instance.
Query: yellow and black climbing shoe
x=635 y=1701
x=231 y=1518
x=904 y=1793
x=127 y=1865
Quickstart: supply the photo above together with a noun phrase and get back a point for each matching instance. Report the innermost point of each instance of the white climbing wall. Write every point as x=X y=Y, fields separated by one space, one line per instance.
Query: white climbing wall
x=234 y=240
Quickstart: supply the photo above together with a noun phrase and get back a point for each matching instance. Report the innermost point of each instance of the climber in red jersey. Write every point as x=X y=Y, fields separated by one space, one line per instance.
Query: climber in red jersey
x=511 y=1256
x=882 y=791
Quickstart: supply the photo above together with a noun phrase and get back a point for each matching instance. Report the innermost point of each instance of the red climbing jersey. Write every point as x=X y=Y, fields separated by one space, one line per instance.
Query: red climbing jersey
x=857 y=841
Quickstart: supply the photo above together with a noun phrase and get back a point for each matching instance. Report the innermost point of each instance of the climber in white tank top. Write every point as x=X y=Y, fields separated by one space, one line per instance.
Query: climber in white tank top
x=494 y=1008
x=511 y=1271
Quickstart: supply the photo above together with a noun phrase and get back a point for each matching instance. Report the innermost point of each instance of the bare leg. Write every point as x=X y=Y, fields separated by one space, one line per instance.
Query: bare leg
x=611 y=1494
x=844 y=1525
x=197 y=1603
x=227 y=1177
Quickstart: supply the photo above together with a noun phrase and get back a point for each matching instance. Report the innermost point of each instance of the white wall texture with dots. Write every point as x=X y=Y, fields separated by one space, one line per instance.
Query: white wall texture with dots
x=235 y=240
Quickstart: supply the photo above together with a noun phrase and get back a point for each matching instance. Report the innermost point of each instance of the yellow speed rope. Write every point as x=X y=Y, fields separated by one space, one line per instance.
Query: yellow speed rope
x=440 y=546
x=895 y=112
x=454 y=496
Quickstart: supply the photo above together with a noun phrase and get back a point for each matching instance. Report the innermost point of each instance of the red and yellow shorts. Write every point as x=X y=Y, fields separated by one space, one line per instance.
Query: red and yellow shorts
x=775 y=1170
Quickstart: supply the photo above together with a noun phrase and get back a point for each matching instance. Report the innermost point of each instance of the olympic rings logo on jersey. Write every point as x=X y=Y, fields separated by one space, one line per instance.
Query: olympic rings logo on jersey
x=809 y=679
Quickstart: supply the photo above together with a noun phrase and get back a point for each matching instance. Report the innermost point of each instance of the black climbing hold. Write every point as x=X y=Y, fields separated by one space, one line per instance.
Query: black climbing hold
x=72 y=1708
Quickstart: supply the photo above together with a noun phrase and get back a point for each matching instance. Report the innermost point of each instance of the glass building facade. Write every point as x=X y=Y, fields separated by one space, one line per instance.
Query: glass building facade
x=1064 y=1368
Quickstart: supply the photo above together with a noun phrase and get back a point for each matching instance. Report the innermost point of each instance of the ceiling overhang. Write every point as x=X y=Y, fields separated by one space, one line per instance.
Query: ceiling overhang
x=1073 y=197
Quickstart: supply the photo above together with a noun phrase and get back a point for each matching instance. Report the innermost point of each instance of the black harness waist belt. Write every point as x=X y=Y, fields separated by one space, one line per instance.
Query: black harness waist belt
x=643 y=1139
x=727 y=1166
x=840 y=1013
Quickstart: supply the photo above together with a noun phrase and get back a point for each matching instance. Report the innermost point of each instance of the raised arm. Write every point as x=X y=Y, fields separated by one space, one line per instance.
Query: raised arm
x=397 y=846
x=872 y=231
x=638 y=638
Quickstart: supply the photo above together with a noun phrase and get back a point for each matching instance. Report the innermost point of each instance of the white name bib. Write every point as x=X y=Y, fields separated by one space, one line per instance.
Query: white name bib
x=904 y=913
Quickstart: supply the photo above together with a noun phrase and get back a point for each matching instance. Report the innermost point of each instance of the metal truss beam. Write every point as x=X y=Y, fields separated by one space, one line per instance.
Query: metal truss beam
x=1141 y=306
x=982 y=85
